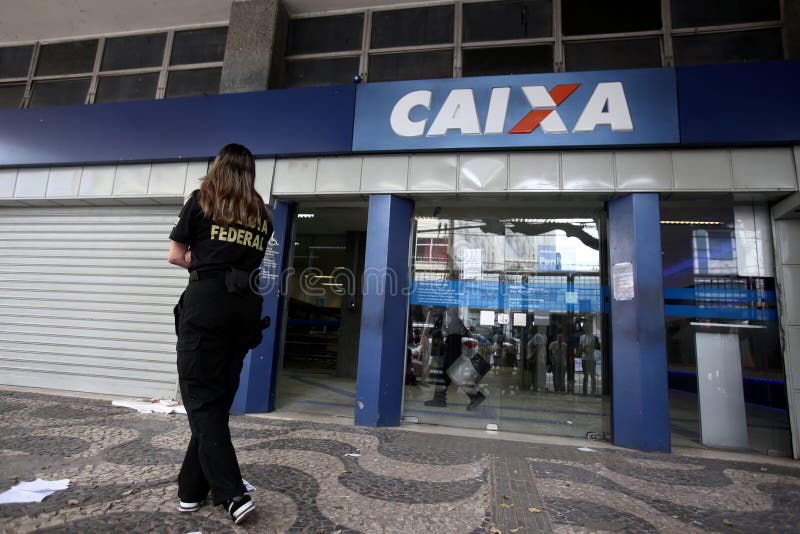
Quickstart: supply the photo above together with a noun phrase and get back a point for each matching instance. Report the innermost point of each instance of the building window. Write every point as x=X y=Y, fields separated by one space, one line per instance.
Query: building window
x=691 y=13
x=590 y=17
x=502 y=21
x=325 y=34
x=411 y=66
x=113 y=69
x=728 y=47
x=315 y=72
x=613 y=54
x=502 y=60
x=412 y=27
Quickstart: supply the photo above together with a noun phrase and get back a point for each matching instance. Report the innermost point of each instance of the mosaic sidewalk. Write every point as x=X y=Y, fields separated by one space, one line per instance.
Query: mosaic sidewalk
x=327 y=478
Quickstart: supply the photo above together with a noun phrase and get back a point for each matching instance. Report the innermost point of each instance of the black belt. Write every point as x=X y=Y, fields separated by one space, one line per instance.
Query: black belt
x=207 y=274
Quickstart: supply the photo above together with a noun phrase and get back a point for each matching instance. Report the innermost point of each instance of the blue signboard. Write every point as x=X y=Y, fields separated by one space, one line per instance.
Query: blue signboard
x=629 y=107
x=279 y=122
x=749 y=103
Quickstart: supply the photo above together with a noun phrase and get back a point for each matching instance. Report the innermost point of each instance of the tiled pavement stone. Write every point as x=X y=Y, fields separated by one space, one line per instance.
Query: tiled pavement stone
x=325 y=478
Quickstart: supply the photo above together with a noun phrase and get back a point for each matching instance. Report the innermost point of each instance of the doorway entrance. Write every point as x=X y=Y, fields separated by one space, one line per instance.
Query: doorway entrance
x=320 y=354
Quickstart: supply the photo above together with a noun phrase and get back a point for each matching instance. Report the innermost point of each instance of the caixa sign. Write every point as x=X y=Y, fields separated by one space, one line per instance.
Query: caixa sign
x=635 y=107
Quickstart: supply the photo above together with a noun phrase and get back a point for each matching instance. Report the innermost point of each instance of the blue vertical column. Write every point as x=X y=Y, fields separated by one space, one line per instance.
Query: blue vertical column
x=639 y=396
x=259 y=376
x=382 y=346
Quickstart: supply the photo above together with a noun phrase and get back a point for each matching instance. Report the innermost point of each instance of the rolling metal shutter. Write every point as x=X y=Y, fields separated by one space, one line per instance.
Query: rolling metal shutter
x=86 y=298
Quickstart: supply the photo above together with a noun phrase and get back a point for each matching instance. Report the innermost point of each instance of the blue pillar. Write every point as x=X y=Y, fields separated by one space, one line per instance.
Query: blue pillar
x=382 y=346
x=639 y=396
x=257 y=382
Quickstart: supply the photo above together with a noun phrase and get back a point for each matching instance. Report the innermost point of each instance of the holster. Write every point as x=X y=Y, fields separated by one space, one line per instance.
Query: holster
x=237 y=281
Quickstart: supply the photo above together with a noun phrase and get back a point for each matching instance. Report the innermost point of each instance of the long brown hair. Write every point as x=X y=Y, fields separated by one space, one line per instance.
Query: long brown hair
x=228 y=194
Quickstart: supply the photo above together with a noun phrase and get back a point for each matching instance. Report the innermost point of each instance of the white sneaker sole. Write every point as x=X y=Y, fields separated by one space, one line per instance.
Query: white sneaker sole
x=242 y=512
x=185 y=507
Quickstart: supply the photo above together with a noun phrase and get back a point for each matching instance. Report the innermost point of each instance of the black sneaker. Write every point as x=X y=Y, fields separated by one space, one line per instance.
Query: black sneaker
x=239 y=507
x=476 y=401
x=437 y=403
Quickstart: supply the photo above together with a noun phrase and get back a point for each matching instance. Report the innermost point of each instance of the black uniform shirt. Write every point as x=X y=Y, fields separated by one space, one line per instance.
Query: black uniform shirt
x=217 y=246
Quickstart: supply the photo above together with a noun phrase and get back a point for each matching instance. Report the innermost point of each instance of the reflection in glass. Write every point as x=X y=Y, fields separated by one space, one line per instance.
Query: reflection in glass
x=505 y=325
x=719 y=281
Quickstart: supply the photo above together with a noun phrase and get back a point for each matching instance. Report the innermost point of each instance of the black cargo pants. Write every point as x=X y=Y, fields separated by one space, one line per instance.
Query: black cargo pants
x=215 y=329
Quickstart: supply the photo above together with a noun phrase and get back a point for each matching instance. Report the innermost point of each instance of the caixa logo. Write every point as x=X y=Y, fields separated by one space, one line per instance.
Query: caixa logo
x=606 y=106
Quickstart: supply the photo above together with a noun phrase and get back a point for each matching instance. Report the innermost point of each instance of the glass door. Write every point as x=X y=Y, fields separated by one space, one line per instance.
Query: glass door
x=507 y=323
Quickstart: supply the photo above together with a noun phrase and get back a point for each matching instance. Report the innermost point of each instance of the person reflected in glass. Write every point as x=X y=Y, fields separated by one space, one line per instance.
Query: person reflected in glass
x=589 y=346
x=537 y=358
x=458 y=341
x=558 y=362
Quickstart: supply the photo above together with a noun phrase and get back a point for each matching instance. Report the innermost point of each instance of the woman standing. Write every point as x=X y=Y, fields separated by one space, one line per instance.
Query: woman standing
x=220 y=238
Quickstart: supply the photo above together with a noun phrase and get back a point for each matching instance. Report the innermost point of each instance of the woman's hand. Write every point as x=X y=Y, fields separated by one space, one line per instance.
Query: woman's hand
x=187 y=257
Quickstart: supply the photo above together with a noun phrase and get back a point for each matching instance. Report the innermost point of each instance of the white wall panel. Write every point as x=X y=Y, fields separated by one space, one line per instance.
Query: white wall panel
x=339 y=174
x=100 y=313
x=789 y=242
x=647 y=170
x=791 y=288
x=483 y=172
x=131 y=180
x=295 y=176
x=702 y=170
x=167 y=179
x=264 y=170
x=97 y=181
x=436 y=172
x=64 y=182
x=534 y=172
x=195 y=172
x=792 y=333
x=587 y=171
x=384 y=173
x=8 y=179
x=31 y=183
x=763 y=168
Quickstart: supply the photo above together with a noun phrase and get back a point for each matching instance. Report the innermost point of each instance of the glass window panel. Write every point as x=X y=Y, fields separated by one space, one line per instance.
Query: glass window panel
x=11 y=95
x=621 y=54
x=408 y=27
x=730 y=47
x=585 y=17
x=66 y=58
x=133 y=52
x=497 y=21
x=59 y=92
x=690 y=13
x=410 y=66
x=317 y=72
x=193 y=82
x=325 y=34
x=199 y=46
x=507 y=60
x=124 y=88
x=15 y=61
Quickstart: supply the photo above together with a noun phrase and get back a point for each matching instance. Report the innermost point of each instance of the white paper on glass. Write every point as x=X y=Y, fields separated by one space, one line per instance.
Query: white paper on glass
x=623 y=281
x=520 y=319
x=541 y=319
x=502 y=318
x=487 y=318
x=471 y=263
x=571 y=297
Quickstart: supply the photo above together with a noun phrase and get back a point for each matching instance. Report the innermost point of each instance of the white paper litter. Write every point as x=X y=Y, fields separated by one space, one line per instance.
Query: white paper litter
x=586 y=449
x=248 y=486
x=151 y=405
x=34 y=491
x=353 y=454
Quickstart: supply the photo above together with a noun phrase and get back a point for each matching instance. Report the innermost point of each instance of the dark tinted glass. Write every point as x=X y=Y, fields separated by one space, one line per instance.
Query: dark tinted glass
x=15 y=61
x=731 y=47
x=134 y=52
x=622 y=54
x=123 y=88
x=495 y=21
x=585 y=17
x=411 y=66
x=408 y=27
x=507 y=60
x=193 y=82
x=689 y=13
x=11 y=95
x=59 y=92
x=325 y=34
x=66 y=58
x=198 y=46
x=314 y=72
